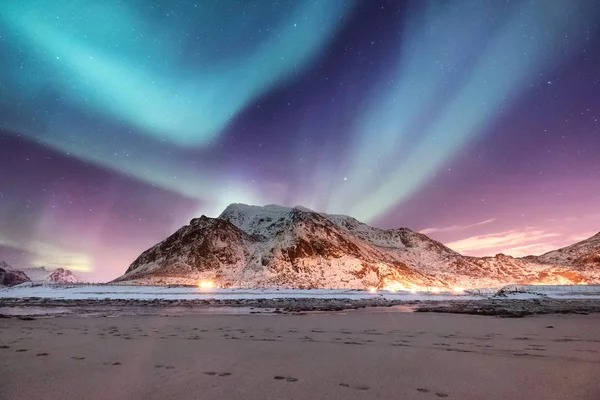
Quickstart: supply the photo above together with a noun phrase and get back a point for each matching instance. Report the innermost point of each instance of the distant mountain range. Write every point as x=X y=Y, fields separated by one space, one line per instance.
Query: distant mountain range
x=274 y=246
x=10 y=276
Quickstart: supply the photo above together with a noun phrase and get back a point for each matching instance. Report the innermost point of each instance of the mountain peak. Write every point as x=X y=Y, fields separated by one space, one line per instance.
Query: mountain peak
x=277 y=246
x=5 y=265
x=583 y=252
x=10 y=276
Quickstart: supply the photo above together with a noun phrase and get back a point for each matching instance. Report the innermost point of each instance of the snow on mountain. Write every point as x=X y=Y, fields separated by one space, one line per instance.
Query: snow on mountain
x=10 y=276
x=207 y=246
x=58 y=275
x=581 y=253
x=251 y=246
x=41 y=274
x=581 y=258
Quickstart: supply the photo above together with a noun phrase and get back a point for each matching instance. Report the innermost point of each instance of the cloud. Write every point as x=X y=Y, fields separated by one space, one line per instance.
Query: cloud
x=575 y=218
x=584 y=236
x=530 y=249
x=49 y=255
x=504 y=242
x=456 y=227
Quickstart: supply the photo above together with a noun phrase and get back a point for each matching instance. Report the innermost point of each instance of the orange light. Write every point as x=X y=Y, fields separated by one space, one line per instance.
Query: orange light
x=435 y=290
x=413 y=291
x=206 y=284
x=394 y=287
x=372 y=289
x=458 y=290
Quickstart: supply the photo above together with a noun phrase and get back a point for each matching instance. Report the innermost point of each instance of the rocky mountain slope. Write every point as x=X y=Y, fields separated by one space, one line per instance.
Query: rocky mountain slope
x=581 y=258
x=10 y=276
x=581 y=253
x=250 y=246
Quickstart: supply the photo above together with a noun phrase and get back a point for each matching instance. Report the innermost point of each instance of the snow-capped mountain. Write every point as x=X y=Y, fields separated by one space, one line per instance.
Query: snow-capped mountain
x=251 y=246
x=580 y=258
x=10 y=276
x=581 y=253
x=58 y=275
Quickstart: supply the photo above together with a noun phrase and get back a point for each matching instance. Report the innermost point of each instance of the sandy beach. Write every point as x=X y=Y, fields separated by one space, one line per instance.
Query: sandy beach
x=357 y=354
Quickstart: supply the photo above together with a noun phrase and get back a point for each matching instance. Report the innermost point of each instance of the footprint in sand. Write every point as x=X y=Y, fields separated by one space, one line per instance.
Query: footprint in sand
x=441 y=394
x=285 y=378
x=21 y=350
x=212 y=373
x=356 y=387
x=527 y=355
x=164 y=366
x=4 y=346
x=459 y=350
x=423 y=390
x=41 y=354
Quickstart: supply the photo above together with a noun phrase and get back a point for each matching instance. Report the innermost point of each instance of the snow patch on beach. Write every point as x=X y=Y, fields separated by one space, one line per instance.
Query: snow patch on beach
x=122 y=292
x=100 y=292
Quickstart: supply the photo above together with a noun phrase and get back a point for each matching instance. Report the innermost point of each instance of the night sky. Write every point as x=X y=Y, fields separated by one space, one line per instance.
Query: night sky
x=475 y=122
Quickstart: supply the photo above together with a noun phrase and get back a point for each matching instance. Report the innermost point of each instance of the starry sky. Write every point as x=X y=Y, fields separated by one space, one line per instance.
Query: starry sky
x=475 y=122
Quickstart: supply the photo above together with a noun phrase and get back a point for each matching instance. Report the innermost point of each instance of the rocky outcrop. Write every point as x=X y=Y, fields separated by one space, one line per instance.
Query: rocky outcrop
x=10 y=276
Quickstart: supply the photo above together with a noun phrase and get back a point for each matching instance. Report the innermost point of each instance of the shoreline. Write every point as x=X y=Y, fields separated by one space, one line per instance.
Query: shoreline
x=500 y=307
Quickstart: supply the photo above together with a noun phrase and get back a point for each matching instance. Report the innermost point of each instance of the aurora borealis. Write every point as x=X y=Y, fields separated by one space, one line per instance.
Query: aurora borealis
x=477 y=122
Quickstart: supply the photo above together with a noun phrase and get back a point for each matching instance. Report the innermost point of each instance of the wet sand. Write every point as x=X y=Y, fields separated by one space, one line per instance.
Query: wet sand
x=345 y=355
